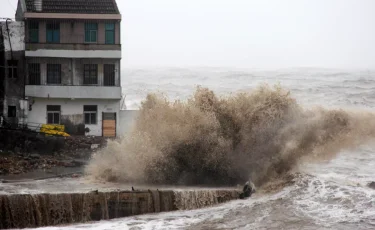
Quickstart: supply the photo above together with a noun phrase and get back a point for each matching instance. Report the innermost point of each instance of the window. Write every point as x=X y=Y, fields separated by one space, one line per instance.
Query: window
x=53 y=74
x=12 y=68
x=90 y=74
x=90 y=112
x=53 y=32
x=53 y=114
x=110 y=33
x=109 y=75
x=34 y=74
x=91 y=32
x=33 y=31
x=12 y=111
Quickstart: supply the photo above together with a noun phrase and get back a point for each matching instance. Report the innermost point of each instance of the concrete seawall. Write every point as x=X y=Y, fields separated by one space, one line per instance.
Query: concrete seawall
x=39 y=210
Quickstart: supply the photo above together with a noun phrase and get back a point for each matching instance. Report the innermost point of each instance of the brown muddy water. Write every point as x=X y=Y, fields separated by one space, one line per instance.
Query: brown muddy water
x=329 y=191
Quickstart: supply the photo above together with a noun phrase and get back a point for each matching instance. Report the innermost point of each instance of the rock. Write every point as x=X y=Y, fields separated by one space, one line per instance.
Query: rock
x=78 y=163
x=371 y=185
x=17 y=150
x=35 y=156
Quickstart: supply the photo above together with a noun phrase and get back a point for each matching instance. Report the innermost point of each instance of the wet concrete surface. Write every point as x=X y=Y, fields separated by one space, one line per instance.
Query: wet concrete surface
x=82 y=185
x=41 y=174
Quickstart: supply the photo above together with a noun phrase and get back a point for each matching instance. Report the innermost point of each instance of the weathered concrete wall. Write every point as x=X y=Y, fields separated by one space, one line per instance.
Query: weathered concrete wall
x=12 y=88
x=73 y=110
x=28 y=211
x=2 y=74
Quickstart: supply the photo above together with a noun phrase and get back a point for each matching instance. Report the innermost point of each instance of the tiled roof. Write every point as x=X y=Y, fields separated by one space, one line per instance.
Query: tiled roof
x=76 y=6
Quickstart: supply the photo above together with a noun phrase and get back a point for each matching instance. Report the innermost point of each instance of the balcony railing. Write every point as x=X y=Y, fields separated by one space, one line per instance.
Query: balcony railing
x=71 y=46
x=73 y=92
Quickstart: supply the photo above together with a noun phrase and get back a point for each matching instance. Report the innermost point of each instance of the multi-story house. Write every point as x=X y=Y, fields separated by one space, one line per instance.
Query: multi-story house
x=13 y=106
x=73 y=53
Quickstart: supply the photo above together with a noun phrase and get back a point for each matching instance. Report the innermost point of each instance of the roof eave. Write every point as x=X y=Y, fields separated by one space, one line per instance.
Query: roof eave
x=72 y=16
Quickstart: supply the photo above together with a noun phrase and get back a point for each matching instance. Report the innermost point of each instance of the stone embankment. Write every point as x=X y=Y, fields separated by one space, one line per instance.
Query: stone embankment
x=38 y=210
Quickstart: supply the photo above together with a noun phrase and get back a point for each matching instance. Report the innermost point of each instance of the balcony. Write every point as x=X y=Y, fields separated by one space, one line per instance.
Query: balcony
x=71 y=46
x=73 y=92
x=73 y=38
x=73 y=50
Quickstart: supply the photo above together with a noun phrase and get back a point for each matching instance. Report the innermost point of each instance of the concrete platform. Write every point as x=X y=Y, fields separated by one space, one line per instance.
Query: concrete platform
x=68 y=201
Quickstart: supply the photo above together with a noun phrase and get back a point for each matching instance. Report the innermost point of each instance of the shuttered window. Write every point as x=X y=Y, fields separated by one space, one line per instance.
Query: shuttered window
x=34 y=31
x=53 y=32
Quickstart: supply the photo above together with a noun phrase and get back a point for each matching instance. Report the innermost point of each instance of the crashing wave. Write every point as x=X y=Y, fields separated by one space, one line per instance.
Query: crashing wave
x=208 y=140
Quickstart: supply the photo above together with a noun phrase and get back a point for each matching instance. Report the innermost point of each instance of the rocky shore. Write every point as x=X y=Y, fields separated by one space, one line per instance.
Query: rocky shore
x=22 y=152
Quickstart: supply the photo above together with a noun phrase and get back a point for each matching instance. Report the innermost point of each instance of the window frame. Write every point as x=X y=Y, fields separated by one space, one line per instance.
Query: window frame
x=88 y=70
x=109 y=71
x=34 y=74
x=53 y=30
x=111 y=31
x=12 y=69
x=91 y=31
x=14 y=108
x=51 y=109
x=57 y=72
x=33 y=31
x=90 y=112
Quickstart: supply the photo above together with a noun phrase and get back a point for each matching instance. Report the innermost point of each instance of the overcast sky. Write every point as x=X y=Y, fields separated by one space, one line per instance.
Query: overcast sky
x=245 y=33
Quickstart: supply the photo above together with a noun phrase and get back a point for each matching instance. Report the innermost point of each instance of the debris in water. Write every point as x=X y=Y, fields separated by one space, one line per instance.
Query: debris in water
x=371 y=185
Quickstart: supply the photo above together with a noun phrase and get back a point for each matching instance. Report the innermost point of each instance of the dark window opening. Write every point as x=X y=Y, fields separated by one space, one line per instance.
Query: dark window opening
x=12 y=68
x=34 y=73
x=90 y=74
x=109 y=75
x=53 y=32
x=53 y=114
x=12 y=111
x=33 y=31
x=109 y=116
x=90 y=112
x=53 y=74
x=110 y=33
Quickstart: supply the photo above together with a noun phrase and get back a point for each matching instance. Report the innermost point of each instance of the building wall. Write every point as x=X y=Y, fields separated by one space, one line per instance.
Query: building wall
x=2 y=74
x=14 y=88
x=73 y=32
x=72 y=69
x=15 y=39
x=72 y=111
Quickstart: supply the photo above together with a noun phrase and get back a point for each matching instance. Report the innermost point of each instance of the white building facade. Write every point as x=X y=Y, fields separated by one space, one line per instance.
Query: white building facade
x=73 y=54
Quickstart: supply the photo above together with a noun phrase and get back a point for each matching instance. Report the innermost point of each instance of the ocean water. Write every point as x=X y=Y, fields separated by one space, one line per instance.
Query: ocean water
x=329 y=194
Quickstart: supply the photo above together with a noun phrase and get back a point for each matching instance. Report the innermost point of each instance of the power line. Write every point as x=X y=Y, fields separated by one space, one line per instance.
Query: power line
x=12 y=6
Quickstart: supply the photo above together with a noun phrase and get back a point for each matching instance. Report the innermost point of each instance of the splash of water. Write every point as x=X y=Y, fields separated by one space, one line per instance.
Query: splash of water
x=223 y=141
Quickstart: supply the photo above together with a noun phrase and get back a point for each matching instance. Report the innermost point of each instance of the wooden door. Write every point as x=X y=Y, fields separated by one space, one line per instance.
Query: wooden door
x=109 y=124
